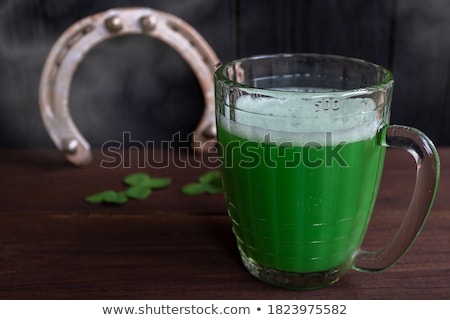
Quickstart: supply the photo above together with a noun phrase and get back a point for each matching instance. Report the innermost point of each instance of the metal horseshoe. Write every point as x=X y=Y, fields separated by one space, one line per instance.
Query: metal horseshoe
x=77 y=40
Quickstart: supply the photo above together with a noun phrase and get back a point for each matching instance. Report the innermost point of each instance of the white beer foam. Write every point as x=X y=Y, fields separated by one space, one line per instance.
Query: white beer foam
x=311 y=118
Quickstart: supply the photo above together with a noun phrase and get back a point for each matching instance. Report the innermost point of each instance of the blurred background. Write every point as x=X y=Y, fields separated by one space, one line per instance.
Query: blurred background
x=140 y=85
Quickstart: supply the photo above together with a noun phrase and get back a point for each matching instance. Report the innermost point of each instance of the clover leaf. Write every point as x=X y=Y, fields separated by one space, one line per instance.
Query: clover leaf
x=159 y=183
x=210 y=182
x=193 y=189
x=108 y=196
x=116 y=198
x=137 y=179
x=140 y=187
x=138 y=192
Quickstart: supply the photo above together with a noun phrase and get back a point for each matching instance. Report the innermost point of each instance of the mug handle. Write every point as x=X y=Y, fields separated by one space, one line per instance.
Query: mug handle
x=427 y=160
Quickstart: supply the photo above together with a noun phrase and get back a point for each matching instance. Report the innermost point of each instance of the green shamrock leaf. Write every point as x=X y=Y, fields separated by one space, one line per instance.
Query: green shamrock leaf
x=140 y=187
x=116 y=198
x=210 y=182
x=138 y=192
x=137 y=179
x=212 y=189
x=144 y=180
x=108 y=196
x=158 y=183
x=211 y=177
x=193 y=189
x=99 y=197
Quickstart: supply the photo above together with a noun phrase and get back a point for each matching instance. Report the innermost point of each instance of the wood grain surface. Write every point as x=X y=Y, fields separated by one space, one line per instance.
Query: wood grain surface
x=53 y=245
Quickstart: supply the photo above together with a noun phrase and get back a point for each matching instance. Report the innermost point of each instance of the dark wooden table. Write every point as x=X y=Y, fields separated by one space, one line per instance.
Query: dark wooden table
x=54 y=245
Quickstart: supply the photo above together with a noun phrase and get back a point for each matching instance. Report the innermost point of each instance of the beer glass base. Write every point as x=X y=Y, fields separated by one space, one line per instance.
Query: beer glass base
x=293 y=280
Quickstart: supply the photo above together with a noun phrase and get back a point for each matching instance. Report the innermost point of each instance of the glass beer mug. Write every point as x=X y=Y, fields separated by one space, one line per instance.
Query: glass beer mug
x=303 y=140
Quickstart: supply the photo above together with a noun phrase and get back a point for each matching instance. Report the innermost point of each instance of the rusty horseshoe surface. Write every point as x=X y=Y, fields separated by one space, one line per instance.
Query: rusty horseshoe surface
x=73 y=45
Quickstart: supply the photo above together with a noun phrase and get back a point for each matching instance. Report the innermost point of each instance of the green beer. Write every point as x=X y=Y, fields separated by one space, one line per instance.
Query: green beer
x=297 y=209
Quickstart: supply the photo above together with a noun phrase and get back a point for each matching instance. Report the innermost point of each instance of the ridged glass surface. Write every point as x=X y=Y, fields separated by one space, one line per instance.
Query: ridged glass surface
x=300 y=209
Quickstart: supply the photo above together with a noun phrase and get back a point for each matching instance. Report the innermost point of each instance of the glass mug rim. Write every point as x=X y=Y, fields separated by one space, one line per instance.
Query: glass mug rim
x=384 y=82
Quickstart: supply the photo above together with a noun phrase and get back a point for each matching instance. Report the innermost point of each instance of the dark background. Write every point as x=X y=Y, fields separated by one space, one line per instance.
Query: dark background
x=140 y=85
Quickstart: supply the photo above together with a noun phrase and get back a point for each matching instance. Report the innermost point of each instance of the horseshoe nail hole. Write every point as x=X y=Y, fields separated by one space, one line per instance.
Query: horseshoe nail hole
x=173 y=26
x=192 y=42
x=87 y=29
